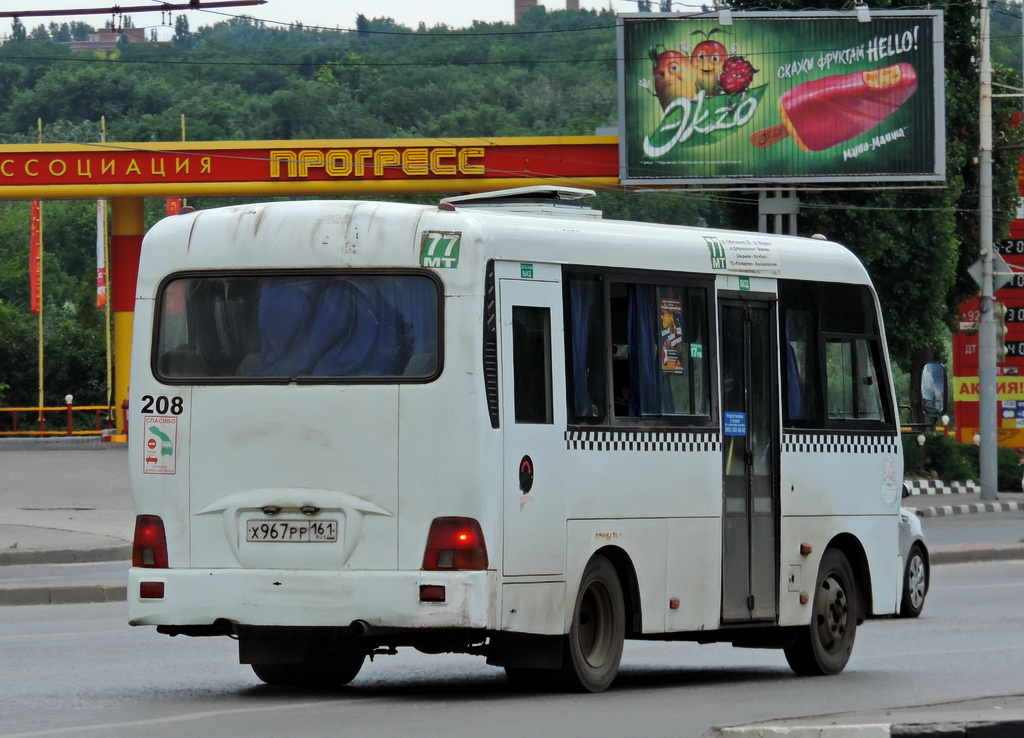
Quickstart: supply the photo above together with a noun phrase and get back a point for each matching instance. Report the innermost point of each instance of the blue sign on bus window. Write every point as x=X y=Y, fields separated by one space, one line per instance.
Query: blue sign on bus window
x=735 y=424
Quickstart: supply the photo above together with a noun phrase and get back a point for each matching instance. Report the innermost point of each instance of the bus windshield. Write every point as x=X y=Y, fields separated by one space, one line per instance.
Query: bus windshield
x=327 y=326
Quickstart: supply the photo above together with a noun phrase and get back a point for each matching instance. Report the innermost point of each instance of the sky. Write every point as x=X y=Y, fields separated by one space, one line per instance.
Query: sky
x=329 y=13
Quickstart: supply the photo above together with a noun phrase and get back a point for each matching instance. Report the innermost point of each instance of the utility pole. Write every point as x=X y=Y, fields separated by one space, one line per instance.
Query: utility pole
x=987 y=399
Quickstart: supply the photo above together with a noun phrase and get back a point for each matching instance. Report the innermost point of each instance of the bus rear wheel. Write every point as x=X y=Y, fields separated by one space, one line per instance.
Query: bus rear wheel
x=826 y=645
x=593 y=647
x=335 y=673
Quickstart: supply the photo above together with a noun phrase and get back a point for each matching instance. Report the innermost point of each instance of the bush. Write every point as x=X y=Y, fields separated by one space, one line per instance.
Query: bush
x=950 y=461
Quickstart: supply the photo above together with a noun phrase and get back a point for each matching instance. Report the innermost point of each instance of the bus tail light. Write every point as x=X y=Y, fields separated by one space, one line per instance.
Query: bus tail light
x=455 y=543
x=150 y=548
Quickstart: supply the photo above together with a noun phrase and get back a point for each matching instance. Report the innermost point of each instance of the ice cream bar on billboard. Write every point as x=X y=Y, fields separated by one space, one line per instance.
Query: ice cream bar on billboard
x=826 y=112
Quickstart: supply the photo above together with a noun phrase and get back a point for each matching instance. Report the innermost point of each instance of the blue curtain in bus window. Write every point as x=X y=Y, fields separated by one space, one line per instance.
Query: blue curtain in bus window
x=642 y=326
x=415 y=300
x=334 y=327
x=582 y=298
x=365 y=332
x=285 y=313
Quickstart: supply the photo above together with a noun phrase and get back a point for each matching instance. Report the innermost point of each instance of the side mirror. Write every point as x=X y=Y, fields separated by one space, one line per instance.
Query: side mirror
x=933 y=389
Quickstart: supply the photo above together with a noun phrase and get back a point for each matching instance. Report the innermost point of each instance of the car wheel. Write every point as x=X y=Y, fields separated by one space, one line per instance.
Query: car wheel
x=824 y=647
x=915 y=583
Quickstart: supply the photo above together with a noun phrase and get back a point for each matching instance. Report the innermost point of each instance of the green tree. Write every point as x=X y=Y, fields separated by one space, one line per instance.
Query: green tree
x=18 y=32
x=18 y=352
x=81 y=31
x=60 y=32
x=182 y=39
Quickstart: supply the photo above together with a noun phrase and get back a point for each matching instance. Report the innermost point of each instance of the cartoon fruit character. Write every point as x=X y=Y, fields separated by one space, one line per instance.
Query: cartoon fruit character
x=674 y=77
x=708 y=59
x=737 y=74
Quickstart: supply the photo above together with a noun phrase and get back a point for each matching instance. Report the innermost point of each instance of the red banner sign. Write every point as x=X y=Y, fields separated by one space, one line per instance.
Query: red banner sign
x=432 y=164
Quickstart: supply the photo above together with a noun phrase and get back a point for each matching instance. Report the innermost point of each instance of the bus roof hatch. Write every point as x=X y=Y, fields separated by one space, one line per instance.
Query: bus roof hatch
x=537 y=200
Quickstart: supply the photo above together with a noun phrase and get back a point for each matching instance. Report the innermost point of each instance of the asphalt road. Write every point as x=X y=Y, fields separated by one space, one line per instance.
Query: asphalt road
x=1000 y=527
x=79 y=670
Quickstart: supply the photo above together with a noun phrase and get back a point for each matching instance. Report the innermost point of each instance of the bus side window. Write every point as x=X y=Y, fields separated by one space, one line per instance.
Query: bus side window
x=802 y=377
x=531 y=361
x=832 y=356
x=853 y=387
x=636 y=350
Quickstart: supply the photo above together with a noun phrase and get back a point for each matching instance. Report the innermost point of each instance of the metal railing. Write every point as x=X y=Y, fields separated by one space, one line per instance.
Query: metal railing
x=44 y=422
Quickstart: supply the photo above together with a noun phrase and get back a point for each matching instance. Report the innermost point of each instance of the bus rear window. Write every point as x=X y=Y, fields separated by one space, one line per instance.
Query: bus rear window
x=327 y=326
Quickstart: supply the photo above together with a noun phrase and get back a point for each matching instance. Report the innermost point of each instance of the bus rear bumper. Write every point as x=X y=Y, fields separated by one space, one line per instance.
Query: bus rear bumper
x=280 y=597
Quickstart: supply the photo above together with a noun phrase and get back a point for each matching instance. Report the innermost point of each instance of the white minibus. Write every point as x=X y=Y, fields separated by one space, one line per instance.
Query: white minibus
x=506 y=426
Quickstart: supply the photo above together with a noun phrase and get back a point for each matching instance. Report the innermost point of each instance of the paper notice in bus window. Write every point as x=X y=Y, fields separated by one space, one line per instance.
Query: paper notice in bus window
x=672 y=359
x=159 y=445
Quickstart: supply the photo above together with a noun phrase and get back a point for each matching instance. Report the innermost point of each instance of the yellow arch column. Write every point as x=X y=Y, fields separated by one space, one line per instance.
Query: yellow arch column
x=127 y=227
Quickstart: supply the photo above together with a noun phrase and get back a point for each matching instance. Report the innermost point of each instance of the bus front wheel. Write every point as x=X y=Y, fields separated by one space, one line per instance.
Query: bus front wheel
x=825 y=646
x=593 y=646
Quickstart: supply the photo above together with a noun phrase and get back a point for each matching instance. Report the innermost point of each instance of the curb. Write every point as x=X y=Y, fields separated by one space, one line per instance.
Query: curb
x=968 y=508
x=967 y=553
x=986 y=729
x=66 y=556
x=78 y=594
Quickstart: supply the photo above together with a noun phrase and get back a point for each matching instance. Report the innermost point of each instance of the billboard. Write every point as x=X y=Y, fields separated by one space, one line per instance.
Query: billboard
x=763 y=98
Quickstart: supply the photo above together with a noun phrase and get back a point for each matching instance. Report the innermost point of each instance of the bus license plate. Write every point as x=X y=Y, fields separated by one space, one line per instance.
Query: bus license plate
x=291 y=531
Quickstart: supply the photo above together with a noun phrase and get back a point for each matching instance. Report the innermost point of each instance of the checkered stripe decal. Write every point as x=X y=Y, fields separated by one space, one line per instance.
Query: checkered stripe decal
x=830 y=443
x=635 y=441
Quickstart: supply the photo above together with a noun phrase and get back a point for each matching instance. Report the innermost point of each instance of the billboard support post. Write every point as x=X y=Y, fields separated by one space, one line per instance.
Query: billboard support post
x=783 y=206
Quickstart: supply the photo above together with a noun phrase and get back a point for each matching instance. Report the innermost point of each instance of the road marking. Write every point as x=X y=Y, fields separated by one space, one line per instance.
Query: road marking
x=79 y=729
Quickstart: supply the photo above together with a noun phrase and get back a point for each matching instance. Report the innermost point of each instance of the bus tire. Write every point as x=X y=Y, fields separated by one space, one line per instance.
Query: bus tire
x=825 y=646
x=335 y=673
x=593 y=646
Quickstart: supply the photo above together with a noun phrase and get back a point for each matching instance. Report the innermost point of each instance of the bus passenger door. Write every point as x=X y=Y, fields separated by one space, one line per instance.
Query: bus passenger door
x=533 y=424
x=750 y=507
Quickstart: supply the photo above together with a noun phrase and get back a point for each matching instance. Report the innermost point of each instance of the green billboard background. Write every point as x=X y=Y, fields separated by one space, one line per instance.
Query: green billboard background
x=805 y=97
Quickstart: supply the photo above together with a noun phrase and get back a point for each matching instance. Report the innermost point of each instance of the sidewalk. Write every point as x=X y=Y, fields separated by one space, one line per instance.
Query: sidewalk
x=64 y=500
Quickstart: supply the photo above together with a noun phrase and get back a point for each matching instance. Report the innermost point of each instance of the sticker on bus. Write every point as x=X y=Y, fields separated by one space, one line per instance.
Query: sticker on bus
x=440 y=249
x=159 y=444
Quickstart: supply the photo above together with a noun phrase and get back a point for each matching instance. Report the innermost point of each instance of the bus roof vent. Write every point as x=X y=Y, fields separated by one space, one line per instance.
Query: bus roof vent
x=537 y=200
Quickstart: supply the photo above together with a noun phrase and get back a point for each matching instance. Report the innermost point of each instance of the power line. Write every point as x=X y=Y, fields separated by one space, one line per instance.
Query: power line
x=122 y=9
